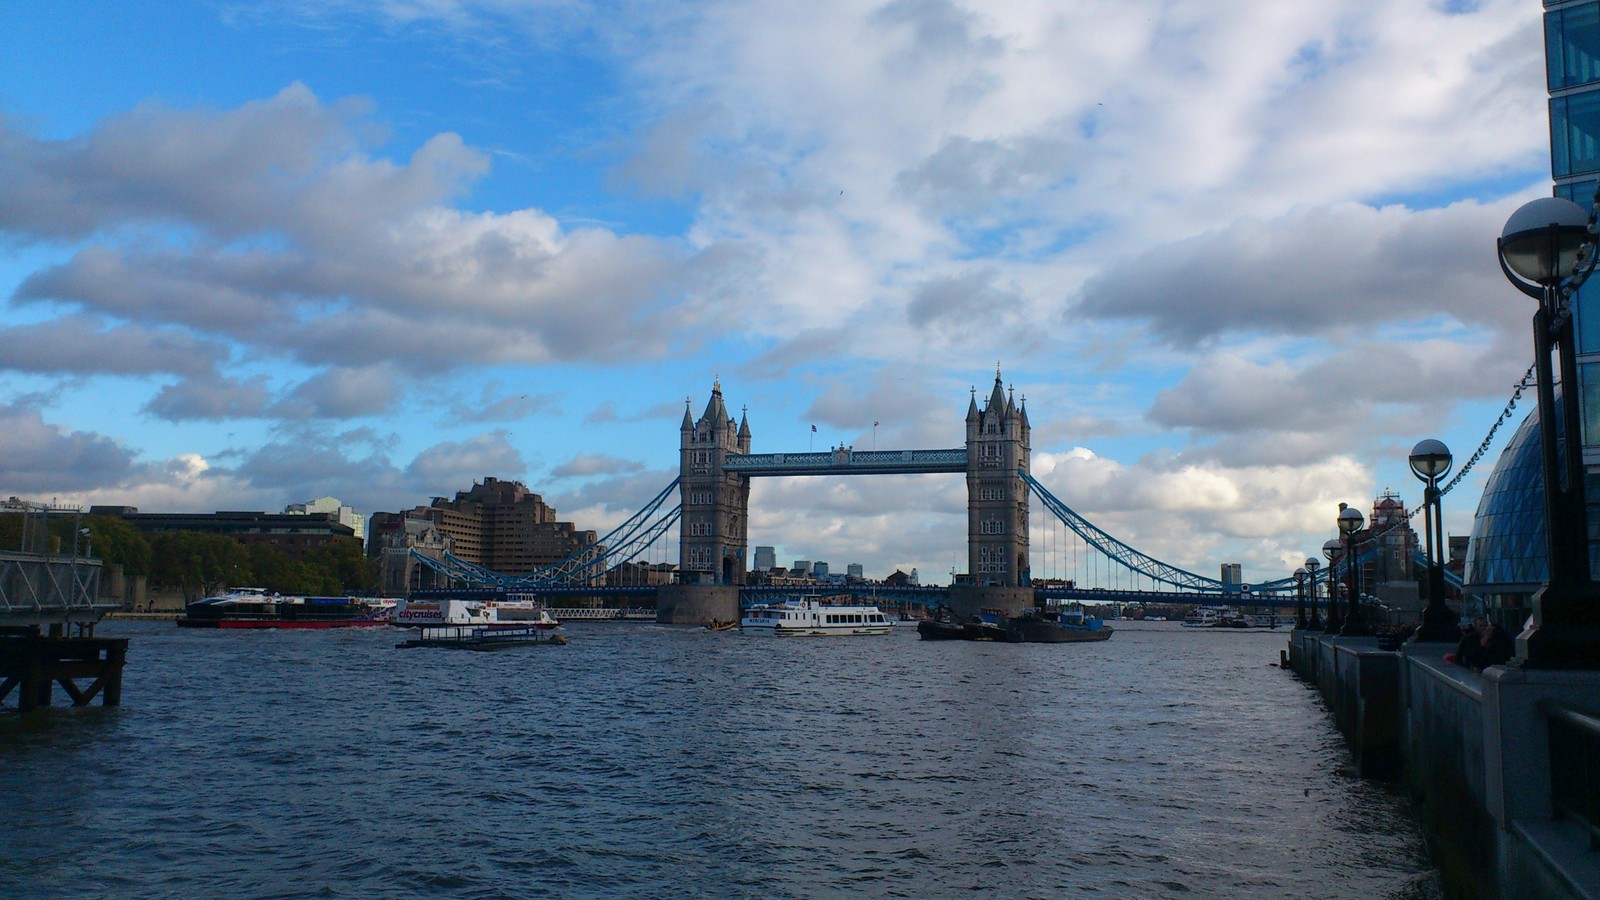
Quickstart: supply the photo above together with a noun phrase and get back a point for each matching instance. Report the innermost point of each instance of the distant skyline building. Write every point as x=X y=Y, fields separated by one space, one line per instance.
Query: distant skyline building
x=342 y=514
x=854 y=571
x=294 y=535
x=800 y=567
x=1232 y=573
x=766 y=558
x=819 y=569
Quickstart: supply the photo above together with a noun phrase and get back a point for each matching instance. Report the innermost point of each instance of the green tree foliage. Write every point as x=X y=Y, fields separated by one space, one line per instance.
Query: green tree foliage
x=278 y=573
x=198 y=563
x=110 y=538
x=348 y=567
x=117 y=542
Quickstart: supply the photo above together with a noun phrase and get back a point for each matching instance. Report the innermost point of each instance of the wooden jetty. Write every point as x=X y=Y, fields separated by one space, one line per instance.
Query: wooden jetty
x=48 y=610
x=32 y=664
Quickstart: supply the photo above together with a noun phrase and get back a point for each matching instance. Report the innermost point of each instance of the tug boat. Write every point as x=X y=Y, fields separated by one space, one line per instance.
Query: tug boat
x=941 y=627
x=987 y=625
x=1056 y=626
x=812 y=618
x=252 y=607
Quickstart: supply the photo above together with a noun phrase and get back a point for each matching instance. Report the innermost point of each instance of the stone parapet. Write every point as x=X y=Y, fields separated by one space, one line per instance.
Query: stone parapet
x=696 y=604
x=967 y=601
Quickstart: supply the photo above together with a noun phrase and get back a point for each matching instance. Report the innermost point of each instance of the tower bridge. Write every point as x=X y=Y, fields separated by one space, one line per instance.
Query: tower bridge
x=716 y=465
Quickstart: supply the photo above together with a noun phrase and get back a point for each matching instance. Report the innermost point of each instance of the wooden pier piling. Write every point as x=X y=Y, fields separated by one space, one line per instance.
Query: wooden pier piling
x=33 y=664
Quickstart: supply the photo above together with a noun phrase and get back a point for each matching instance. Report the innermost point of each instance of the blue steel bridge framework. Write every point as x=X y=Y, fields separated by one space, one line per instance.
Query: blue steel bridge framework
x=582 y=573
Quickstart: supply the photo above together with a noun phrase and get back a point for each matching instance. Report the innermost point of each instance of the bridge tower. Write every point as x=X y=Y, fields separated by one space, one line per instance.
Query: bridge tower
x=997 y=503
x=716 y=504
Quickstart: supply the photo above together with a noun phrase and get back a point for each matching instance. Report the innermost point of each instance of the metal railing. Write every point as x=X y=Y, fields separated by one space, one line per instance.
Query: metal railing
x=1575 y=766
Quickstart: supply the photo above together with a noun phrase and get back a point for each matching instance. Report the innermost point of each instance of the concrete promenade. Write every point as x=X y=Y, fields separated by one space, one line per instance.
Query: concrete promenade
x=1474 y=751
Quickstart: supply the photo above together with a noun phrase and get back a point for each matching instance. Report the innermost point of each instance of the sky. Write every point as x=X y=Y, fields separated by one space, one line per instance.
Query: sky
x=1238 y=258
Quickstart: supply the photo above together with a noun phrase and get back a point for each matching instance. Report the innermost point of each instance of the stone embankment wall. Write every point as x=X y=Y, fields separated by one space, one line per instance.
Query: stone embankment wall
x=1473 y=751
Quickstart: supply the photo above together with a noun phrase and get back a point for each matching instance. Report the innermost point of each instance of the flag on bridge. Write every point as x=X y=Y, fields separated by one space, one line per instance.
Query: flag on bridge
x=813 y=428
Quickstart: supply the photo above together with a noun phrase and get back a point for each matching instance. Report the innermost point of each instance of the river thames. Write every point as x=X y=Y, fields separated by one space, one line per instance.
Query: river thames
x=652 y=761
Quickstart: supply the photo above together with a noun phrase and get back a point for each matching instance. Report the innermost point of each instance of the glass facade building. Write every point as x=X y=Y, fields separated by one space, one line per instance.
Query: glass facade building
x=1508 y=556
x=1572 y=74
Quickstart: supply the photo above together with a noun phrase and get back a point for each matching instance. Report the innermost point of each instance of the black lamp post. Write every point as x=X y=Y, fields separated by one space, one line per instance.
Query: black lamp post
x=1311 y=589
x=1300 y=597
x=1430 y=461
x=1350 y=522
x=1547 y=251
x=1331 y=550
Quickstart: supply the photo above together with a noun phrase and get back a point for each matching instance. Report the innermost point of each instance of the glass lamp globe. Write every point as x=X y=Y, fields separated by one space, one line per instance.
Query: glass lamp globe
x=1430 y=459
x=1541 y=240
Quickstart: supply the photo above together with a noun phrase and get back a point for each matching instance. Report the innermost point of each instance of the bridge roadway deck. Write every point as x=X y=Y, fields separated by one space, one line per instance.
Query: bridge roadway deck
x=924 y=595
x=850 y=462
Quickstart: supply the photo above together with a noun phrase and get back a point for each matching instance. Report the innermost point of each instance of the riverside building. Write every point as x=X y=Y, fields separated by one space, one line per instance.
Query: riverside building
x=500 y=525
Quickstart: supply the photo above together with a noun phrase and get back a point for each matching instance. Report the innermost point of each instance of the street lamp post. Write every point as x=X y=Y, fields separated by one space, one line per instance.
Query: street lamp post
x=1430 y=461
x=1311 y=589
x=1300 y=597
x=1350 y=522
x=1331 y=550
x=1547 y=251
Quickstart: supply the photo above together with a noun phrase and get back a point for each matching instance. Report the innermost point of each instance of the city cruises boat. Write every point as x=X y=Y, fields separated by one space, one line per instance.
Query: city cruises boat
x=257 y=608
x=812 y=618
x=508 y=613
x=1054 y=625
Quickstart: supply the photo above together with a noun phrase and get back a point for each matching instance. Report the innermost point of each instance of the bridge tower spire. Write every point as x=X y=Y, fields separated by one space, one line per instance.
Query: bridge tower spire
x=998 y=449
x=715 y=503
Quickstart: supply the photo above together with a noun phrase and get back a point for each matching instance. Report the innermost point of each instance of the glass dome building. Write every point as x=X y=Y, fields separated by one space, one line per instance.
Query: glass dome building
x=1507 y=558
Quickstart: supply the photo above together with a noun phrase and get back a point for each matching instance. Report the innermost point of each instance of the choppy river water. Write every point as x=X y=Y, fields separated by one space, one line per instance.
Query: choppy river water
x=651 y=761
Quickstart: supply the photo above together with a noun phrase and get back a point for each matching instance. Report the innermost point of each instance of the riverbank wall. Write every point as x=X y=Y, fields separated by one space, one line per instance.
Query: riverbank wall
x=1474 y=750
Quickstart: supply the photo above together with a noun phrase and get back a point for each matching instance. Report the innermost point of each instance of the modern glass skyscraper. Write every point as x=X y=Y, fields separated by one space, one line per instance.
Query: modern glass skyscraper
x=1507 y=558
x=1572 y=73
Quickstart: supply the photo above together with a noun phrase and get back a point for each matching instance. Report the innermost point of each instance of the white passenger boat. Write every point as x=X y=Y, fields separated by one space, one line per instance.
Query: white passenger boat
x=809 y=618
x=1215 y=617
x=510 y=612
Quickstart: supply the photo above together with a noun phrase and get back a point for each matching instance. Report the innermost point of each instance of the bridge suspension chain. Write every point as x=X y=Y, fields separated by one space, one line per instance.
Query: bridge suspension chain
x=1483 y=448
x=1127 y=557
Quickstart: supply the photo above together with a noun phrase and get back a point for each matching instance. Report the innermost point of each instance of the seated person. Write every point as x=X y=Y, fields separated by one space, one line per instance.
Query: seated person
x=1495 y=647
x=1471 y=646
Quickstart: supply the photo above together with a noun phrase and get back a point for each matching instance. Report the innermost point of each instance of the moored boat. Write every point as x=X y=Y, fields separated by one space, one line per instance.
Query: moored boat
x=987 y=625
x=1056 y=626
x=458 y=637
x=813 y=618
x=941 y=626
x=257 y=608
